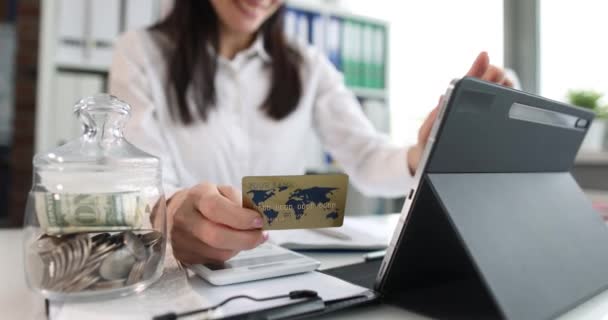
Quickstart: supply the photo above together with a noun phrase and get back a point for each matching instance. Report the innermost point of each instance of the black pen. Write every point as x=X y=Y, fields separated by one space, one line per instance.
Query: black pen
x=308 y=302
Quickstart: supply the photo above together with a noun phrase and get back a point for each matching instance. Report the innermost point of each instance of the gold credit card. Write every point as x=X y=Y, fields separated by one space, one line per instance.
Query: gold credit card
x=297 y=202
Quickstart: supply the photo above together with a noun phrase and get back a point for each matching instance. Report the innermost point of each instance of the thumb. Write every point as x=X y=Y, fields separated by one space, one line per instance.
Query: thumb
x=480 y=66
x=425 y=130
x=231 y=193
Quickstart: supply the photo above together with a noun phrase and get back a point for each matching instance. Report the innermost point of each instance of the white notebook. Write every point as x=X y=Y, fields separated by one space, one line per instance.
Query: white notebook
x=179 y=292
x=357 y=233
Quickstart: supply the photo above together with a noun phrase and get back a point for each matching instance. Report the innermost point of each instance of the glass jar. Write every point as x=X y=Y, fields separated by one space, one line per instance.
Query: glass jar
x=95 y=222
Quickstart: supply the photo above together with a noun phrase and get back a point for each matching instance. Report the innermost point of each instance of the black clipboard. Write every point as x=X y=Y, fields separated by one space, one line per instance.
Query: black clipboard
x=496 y=226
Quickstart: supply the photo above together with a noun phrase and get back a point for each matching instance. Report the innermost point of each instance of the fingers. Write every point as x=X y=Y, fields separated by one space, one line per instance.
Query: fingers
x=507 y=82
x=222 y=237
x=206 y=226
x=483 y=70
x=232 y=194
x=414 y=154
x=191 y=250
x=480 y=65
x=222 y=210
x=427 y=125
x=213 y=234
x=493 y=74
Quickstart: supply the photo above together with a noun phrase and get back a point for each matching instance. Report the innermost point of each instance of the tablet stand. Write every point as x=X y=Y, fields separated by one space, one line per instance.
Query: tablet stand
x=499 y=245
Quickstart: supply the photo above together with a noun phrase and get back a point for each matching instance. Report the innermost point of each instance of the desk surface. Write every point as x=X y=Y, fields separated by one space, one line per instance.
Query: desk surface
x=18 y=302
x=592 y=158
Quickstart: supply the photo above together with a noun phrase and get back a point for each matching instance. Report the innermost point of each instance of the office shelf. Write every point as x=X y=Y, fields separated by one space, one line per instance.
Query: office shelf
x=592 y=158
x=591 y=170
x=92 y=68
x=370 y=93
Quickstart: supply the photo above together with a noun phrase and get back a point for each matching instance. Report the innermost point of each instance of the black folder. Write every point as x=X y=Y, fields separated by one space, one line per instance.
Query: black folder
x=496 y=226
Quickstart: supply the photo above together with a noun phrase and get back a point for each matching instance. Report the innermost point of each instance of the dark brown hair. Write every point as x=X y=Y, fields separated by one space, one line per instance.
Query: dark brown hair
x=191 y=27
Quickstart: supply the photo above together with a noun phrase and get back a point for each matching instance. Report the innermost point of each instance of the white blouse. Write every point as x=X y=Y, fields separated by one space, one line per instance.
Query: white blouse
x=239 y=139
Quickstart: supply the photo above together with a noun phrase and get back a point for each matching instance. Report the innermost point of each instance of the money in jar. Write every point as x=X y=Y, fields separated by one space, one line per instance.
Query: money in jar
x=95 y=223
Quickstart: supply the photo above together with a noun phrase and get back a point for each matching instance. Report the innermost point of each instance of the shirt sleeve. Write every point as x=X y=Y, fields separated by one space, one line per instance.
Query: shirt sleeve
x=375 y=165
x=129 y=83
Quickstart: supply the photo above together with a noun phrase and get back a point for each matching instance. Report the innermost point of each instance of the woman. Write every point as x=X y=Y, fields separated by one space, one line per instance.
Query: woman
x=217 y=93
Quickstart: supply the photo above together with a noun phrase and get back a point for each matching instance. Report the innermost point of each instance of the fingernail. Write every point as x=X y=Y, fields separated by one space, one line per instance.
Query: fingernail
x=258 y=223
x=266 y=235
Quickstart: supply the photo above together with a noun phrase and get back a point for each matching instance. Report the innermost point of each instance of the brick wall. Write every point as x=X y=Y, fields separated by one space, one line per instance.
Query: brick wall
x=28 y=21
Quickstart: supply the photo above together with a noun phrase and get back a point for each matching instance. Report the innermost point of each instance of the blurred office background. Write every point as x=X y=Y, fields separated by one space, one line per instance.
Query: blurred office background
x=397 y=57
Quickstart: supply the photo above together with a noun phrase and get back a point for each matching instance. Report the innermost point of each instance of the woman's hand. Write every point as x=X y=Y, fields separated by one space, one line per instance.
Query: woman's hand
x=481 y=69
x=210 y=224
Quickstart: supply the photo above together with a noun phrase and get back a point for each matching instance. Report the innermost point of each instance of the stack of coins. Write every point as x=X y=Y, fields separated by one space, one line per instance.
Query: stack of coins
x=97 y=261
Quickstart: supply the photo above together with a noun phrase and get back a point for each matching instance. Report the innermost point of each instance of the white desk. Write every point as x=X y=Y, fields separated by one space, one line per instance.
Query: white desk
x=18 y=302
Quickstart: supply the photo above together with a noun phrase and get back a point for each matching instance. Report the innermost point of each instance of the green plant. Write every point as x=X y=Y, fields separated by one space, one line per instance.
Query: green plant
x=588 y=99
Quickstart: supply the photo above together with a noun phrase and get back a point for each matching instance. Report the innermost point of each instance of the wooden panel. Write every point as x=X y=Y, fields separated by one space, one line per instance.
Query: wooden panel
x=26 y=76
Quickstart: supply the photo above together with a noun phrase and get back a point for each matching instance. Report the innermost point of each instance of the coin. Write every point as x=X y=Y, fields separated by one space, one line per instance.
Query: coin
x=113 y=284
x=151 y=238
x=67 y=283
x=83 y=283
x=134 y=245
x=47 y=268
x=117 y=265
x=151 y=264
x=71 y=257
x=157 y=246
x=79 y=252
x=104 y=248
x=116 y=238
x=41 y=265
x=101 y=249
x=86 y=251
x=53 y=265
x=83 y=261
x=61 y=264
x=100 y=237
x=136 y=272
x=46 y=243
x=78 y=255
x=99 y=257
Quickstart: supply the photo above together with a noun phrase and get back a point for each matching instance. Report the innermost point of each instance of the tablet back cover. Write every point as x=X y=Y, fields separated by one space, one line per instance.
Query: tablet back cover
x=499 y=177
x=538 y=244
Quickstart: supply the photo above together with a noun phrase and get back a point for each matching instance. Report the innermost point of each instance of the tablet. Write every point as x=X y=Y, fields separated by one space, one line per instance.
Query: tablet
x=421 y=170
x=495 y=221
x=493 y=135
x=265 y=261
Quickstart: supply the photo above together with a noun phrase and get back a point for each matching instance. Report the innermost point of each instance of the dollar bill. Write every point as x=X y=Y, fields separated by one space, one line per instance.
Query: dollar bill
x=60 y=213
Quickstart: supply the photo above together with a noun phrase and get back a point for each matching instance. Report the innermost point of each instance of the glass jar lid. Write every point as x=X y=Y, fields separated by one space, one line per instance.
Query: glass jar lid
x=102 y=145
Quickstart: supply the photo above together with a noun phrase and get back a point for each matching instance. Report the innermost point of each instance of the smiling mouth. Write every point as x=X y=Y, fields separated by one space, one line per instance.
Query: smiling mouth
x=250 y=7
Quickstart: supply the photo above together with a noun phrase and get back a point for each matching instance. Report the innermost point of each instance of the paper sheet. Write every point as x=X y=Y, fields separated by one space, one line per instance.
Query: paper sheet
x=365 y=233
x=178 y=291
